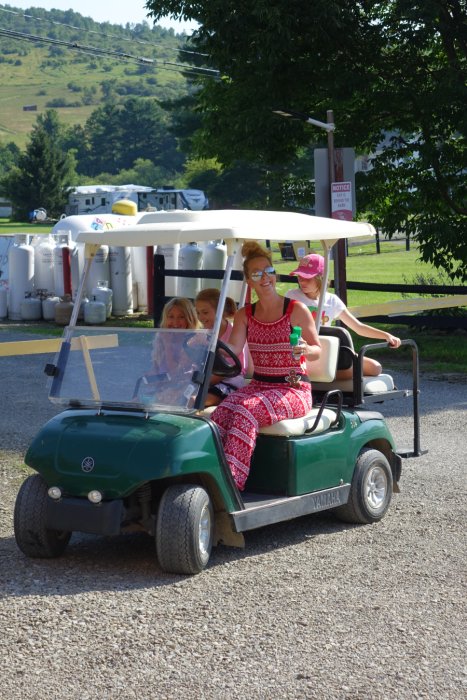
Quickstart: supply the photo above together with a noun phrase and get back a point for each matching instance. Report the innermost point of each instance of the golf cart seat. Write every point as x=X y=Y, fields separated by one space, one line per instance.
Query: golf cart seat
x=381 y=387
x=319 y=419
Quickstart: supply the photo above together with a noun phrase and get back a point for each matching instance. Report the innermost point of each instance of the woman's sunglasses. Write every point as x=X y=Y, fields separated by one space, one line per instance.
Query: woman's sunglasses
x=257 y=276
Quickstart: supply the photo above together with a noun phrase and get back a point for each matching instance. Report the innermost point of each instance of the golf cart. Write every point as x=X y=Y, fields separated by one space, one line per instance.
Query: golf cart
x=135 y=449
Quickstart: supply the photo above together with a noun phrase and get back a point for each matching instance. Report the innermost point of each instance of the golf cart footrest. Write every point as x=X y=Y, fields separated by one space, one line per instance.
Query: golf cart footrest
x=79 y=515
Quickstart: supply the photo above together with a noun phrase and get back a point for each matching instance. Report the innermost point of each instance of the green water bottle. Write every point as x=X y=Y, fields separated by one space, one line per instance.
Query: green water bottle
x=295 y=338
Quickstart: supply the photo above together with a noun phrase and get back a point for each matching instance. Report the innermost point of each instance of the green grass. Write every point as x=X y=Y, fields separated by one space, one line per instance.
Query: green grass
x=8 y=227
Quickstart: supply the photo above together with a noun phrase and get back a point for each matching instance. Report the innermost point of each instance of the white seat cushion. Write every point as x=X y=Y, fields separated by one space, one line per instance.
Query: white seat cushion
x=298 y=426
x=371 y=385
x=292 y=426
x=324 y=369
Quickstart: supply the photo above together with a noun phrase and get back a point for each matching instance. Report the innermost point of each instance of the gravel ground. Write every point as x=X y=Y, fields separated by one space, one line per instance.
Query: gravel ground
x=312 y=608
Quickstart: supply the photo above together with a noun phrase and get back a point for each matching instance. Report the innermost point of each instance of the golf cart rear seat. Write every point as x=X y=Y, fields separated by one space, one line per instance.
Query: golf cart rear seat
x=356 y=391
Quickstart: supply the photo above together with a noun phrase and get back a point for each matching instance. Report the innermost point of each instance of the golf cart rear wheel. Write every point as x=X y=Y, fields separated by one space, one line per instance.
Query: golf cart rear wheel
x=370 y=491
x=184 y=530
x=32 y=536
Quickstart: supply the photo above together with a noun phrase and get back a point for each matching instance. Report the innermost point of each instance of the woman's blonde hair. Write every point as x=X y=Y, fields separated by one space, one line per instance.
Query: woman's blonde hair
x=252 y=250
x=187 y=308
x=211 y=296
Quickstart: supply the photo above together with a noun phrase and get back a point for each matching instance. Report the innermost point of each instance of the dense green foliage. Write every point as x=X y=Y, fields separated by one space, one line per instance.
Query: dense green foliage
x=44 y=172
x=394 y=73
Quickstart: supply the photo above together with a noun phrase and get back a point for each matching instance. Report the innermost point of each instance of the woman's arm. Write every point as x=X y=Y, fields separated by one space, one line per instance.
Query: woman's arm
x=237 y=338
x=367 y=331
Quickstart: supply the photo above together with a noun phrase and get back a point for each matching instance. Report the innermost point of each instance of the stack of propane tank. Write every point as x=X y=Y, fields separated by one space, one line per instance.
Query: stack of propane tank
x=44 y=273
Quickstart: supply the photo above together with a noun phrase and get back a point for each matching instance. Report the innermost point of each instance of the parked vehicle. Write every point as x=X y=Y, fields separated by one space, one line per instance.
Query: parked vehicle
x=135 y=450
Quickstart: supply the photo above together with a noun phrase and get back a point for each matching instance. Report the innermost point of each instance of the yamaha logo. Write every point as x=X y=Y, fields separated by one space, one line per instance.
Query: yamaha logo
x=87 y=465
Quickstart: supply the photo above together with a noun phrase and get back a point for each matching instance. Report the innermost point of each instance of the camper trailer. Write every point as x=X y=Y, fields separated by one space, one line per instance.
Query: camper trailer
x=100 y=199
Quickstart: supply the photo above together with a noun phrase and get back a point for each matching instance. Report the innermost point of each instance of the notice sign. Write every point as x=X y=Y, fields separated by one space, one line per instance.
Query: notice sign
x=341 y=201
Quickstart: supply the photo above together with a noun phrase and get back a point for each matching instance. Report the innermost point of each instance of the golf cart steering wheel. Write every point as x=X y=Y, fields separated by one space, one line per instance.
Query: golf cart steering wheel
x=221 y=366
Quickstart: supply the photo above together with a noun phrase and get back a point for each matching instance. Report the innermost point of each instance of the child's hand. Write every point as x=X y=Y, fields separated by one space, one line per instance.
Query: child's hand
x=393 y=341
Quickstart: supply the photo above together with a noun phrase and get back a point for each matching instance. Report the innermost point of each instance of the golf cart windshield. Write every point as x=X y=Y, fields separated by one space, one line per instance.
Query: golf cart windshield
x=150 y=369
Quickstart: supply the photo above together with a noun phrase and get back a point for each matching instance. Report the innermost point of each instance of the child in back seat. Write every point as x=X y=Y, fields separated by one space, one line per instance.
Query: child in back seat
x=310 y=278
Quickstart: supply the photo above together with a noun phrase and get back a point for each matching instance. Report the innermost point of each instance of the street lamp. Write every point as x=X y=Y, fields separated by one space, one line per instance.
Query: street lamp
x=329 y=127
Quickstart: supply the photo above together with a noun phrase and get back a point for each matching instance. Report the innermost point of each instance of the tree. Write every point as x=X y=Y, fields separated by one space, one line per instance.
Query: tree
x=44 y=172
x=386 y=68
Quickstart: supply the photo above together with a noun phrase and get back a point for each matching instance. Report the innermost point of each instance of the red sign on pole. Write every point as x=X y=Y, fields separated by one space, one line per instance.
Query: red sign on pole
x=341 y=200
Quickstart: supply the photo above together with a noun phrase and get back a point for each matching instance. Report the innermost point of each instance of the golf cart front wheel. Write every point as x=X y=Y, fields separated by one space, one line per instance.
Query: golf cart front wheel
x=32 y=536
x=370 y=491
x=184 y=530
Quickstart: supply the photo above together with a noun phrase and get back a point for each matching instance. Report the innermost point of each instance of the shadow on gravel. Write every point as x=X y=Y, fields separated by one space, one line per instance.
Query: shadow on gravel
x=128 y=562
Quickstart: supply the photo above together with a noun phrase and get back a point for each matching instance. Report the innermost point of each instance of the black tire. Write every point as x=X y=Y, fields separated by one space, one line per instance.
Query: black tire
x=184 y=530
x=32 y=536
x=370 y=491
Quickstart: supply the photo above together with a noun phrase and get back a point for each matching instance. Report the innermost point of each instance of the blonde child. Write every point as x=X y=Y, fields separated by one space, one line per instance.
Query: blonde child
x=168 y=355
x=310 y=279
x=206 y=306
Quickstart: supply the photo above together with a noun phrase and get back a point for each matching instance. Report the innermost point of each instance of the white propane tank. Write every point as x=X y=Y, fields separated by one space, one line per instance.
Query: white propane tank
x=44 y=263
x=77 y=267
x=3 y=302
x=214 y=258
x=234 y=289
x=95 y=312
x=31 y=308
x=48 y=307
x=121 y=281
x=102 y=292
x=99 y=269
x=93 y=222
x=62 y=263
x=190 y=258
x=21 y=274
x=139 y=275
x=171 y=253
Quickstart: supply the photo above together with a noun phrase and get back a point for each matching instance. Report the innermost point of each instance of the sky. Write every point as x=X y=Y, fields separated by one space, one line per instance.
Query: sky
x=117 y=11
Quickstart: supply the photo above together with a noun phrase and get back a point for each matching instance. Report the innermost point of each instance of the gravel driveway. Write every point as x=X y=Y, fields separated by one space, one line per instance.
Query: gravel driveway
x=312 y=608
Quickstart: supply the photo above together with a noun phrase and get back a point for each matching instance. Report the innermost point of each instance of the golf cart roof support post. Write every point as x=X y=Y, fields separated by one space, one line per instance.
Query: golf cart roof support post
x=221 y=302
x=327 y=255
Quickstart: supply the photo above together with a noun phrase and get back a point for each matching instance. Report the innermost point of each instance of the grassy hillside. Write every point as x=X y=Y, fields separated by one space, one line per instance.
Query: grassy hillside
x=73 y=81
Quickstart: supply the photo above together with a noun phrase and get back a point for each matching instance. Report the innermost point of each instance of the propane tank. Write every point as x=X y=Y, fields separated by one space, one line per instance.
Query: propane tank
x=48 y=307
x=44 y=263
x=21 y=274
x=171 y=253
x=121 y=281
x=31 y=308
x=77 y=267
x=95 y=312
x=3 y=302
x=99 y=269
x=63 y=310
x=140 y=276
x=102 y=292
x=214 y=258
x=190 y=258
x=62 y=264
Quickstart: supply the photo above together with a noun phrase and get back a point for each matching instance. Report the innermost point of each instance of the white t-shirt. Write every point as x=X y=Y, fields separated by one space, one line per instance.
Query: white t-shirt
x=332 y=306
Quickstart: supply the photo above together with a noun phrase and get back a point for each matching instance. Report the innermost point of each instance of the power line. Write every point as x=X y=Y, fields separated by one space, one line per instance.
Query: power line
x=120 y=55
x=100 y=33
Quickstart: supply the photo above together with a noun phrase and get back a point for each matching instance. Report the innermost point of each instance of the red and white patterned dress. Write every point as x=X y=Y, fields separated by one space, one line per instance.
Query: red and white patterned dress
x=266 y=400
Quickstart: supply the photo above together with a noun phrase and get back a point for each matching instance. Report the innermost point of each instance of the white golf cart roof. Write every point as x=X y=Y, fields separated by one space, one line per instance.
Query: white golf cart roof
x=230 y=225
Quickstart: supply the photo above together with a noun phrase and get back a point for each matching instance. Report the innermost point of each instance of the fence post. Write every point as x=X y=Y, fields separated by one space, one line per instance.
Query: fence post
x=378 y=247
x=407 y=242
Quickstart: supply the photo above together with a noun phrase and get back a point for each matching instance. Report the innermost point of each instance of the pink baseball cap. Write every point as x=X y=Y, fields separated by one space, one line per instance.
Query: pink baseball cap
x=310 y=266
